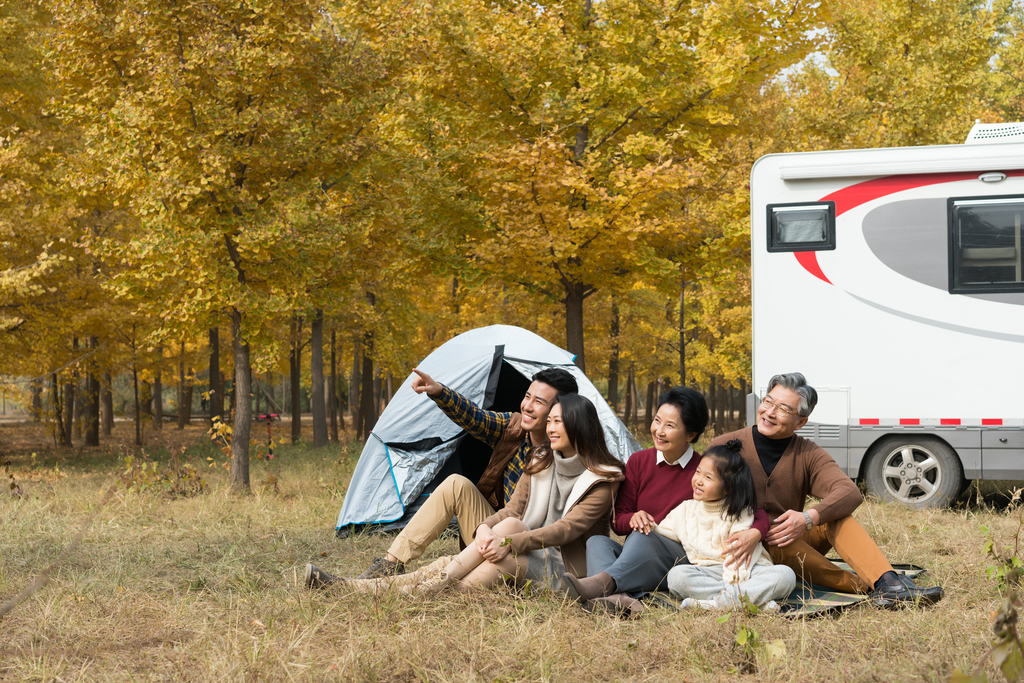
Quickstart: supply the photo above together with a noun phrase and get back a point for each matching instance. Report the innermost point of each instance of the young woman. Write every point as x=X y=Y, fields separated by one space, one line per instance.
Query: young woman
x=563 y=498
x=657 y=480
x=723 y=504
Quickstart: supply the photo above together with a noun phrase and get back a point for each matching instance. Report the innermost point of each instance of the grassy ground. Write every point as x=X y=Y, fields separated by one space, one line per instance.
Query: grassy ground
x=209 y=588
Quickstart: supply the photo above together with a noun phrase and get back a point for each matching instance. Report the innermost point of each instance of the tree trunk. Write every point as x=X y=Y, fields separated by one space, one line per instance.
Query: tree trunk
x=649 y=407
x=627 y=410
x=69 y=408
x=333 y=394
x=158 y=395
x=92 y=402
x=239 y=474
x=58 y=408
x=712 y=403
x=613 y=361
x=721 y=419
x=216 y=385
x=138 y=408
x=36 y=388
x=353 y=387
x=107 y=401
x=367 y=406
x=682 y=330
x=295 y=367
x=184 y=392
x=574 y=295
x=316 y=381
x=743 y=402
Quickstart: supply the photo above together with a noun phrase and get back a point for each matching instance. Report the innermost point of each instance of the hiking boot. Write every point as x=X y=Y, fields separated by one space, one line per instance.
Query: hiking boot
x=317 y=578
x=382 y=568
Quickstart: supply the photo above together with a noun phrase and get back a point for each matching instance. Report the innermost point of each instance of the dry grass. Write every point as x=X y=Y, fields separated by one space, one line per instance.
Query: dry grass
x=208 y=588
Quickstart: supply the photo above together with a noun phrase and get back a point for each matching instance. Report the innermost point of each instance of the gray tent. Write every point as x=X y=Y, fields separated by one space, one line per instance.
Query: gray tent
x=414 y=446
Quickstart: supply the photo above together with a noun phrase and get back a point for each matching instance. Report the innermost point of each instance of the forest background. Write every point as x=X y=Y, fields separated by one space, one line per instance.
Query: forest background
x=298 y=201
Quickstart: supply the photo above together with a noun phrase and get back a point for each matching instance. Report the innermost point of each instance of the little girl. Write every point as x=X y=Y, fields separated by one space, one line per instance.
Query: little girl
x=723 y=504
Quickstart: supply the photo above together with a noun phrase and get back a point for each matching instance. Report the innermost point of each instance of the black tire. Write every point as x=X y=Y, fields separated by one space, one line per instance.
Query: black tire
x=920 y=472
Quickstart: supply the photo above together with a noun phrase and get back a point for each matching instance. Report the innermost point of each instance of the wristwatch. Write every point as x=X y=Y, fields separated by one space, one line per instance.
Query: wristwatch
x=810 y=524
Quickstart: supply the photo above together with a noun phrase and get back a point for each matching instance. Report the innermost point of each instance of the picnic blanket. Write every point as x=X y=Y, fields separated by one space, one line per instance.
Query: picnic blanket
x=810 y=600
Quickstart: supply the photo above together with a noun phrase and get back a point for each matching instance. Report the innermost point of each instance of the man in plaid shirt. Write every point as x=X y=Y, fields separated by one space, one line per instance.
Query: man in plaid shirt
x=513 y=436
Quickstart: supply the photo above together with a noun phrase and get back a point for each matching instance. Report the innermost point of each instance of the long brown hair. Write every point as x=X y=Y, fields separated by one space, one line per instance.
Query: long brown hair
x=583 y=427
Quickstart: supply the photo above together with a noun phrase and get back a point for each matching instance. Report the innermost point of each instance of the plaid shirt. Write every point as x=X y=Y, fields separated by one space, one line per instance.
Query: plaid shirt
x=488 y=426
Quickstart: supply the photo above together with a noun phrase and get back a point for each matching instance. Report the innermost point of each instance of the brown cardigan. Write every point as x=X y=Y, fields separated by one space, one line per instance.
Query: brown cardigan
x=804 y=469
x=589 y=516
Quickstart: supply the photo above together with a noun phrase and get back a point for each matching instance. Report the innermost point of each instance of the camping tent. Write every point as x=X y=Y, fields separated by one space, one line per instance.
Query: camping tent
x=414 y=446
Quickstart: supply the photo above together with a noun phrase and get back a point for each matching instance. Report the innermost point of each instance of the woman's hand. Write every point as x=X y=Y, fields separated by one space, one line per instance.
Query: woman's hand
x=741 y=548
x=489 y=545
x=642 y=522
x=789 y=526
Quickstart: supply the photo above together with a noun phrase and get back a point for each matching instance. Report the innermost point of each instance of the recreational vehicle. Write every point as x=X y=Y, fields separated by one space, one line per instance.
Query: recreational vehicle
x=892 y=279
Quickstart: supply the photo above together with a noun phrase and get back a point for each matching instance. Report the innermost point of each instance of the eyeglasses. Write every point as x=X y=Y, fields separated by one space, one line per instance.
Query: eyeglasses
x=768 y=403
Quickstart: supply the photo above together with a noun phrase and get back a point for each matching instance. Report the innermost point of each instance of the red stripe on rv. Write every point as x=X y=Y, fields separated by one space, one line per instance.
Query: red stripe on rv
x=809 y=260
x=868 y=421
x=993 y=422
x=909 y=421
x=853 y=196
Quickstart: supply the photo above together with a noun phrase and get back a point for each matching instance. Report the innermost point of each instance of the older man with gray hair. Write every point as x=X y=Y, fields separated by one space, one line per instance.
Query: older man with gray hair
x=788 y=468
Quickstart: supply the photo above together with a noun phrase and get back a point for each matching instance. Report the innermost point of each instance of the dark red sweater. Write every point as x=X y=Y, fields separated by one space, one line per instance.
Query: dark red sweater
x=658 y=489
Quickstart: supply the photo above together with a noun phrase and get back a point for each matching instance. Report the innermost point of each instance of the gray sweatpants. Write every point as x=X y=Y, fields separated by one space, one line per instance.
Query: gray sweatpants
x=705 y=583
x=639 y=565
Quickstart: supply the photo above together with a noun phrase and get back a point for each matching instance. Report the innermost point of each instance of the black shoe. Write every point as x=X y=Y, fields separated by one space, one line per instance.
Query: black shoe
x=382 y=568
x=907 y=592
x=318 y=578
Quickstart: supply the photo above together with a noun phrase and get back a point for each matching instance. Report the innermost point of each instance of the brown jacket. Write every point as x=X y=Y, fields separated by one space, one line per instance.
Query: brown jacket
x=492 y=480
x=805 y=469
x=589 y=516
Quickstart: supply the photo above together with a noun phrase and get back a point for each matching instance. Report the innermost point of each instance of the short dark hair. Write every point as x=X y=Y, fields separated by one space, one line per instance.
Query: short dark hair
x=737 y=481
x=692 y=407
x=586 y=434
x=559 y=379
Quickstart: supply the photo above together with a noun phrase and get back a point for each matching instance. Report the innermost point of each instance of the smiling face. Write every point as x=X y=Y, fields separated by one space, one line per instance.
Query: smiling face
x=556 y=433
x=707 y=484
x=773 y=421
x=535 y=407
x=669 y=432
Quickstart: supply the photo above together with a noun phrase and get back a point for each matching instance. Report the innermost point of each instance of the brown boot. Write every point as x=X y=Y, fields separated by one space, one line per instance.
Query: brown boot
x=592 y=587
x=619 y=604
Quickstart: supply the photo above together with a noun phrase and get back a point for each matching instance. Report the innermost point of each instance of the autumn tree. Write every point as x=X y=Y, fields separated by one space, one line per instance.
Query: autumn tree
x=577 y=124
x=221 y=125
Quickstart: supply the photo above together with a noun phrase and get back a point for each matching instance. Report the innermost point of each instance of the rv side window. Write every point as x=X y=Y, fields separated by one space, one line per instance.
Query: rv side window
x=985 y=244
x=802 y=227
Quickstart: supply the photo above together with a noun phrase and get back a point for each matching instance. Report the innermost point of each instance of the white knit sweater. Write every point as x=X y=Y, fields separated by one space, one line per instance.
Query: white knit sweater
x=702 y=528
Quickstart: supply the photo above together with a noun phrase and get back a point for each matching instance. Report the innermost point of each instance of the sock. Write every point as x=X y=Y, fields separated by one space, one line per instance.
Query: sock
x=889 y=578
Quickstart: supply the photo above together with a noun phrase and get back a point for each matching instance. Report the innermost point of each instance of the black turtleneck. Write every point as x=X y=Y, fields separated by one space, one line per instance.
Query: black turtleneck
x=769 y=451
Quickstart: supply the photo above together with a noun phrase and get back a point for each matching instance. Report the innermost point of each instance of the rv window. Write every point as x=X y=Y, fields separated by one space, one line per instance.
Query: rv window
x=985 y=244
x=802 y=227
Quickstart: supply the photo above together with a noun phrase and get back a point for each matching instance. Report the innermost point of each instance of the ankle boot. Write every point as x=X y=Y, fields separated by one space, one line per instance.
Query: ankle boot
x=592 y=587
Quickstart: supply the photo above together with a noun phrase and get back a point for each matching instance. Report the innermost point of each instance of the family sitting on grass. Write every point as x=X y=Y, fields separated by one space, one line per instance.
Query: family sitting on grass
x=708 y=528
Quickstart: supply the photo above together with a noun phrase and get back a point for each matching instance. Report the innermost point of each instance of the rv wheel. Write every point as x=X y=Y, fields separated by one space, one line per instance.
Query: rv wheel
x=921 y=472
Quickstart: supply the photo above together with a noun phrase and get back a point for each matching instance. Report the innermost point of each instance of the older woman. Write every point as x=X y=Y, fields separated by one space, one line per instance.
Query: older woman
x=657 y=480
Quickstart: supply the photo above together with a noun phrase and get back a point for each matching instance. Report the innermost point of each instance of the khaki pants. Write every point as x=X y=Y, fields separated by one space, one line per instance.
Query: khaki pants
x=456 y=497
x=806 y=557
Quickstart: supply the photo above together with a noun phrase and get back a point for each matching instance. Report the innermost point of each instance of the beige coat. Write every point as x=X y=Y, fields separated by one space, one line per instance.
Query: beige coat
x=588 y=513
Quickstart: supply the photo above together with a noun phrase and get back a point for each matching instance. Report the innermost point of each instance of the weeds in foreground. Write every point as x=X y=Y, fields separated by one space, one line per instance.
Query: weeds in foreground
x=1007 y=652
x=176 y=478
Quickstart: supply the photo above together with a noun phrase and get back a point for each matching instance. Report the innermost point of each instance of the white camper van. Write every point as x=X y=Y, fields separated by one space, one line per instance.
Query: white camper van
x=892 y=279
